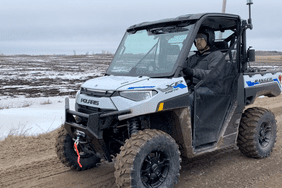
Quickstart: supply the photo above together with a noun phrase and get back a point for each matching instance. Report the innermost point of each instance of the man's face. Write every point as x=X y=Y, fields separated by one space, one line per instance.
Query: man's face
x=200 y=41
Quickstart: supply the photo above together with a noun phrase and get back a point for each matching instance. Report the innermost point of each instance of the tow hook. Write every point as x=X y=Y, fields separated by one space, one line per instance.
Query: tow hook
x=76 y=142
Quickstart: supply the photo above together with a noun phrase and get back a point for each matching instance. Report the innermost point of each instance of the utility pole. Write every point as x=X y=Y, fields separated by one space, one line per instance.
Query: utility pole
x=224 y=6
x=223 y=11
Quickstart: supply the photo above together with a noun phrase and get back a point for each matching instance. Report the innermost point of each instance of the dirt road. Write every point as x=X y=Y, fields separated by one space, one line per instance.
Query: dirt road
x=32 y=162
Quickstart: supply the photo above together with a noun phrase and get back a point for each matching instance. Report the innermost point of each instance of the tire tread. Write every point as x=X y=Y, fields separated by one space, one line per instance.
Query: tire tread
x=124 y=161
x=247 y=131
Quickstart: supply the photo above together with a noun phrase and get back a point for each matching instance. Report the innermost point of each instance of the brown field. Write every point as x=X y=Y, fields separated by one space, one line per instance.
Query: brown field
x=43 y=76
x=53 y=75
x=269 y=59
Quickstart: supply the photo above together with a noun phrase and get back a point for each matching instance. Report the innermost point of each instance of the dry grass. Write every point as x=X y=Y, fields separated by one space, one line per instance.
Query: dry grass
x=20 y=130
x=4 y=107
x=26 y=105
x=46 y=102
x=15 y=105
x=45 y=138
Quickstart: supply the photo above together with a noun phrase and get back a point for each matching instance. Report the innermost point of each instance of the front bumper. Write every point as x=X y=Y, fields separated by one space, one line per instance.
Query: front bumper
x=93 y=128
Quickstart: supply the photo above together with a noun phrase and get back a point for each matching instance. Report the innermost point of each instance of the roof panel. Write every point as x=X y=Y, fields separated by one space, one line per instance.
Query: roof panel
x=179 y=19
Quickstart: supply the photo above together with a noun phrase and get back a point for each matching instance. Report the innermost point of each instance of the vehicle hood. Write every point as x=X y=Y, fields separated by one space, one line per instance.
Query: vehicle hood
x=123 y=83
x=112 y=83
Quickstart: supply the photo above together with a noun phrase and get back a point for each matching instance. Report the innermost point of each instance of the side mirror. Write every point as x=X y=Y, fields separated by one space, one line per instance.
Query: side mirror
x=251 y=54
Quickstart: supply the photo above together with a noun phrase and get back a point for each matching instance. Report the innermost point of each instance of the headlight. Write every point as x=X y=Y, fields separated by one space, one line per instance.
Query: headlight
x=137 y=95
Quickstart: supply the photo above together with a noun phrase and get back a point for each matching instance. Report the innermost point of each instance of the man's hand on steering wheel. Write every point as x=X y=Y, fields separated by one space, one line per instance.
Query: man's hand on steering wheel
x=188 y=72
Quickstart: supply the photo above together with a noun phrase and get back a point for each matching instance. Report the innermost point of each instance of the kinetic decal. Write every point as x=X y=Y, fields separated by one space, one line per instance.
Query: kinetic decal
x=173 y=87
x=276 y=80
x=141 y=87
x=88 y=101
x=181 y=86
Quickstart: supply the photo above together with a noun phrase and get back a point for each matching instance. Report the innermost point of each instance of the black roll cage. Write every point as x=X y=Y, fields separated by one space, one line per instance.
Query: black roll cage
x=217 y=21
x=187 y=45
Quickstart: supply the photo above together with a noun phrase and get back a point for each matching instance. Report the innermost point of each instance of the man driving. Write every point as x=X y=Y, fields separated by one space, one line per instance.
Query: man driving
x=198 y=66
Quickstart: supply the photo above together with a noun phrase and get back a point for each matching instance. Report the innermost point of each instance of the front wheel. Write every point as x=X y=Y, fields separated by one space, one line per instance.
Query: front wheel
x=149 y=159
x=257 y=132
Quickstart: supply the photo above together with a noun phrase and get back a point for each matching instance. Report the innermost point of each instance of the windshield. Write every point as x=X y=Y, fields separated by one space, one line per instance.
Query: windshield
x=151 y=52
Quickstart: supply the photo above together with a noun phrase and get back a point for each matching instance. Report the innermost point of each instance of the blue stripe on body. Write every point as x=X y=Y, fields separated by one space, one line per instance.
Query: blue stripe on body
x=141 y=87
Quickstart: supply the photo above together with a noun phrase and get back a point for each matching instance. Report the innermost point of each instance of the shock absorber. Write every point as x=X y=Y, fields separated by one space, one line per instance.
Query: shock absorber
x=133 y=126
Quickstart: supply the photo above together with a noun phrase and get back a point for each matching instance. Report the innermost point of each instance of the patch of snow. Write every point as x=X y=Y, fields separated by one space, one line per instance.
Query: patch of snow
x=36 y=115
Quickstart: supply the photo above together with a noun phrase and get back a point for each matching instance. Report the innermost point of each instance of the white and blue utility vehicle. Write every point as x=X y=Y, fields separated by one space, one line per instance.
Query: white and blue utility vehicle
x=144 y=114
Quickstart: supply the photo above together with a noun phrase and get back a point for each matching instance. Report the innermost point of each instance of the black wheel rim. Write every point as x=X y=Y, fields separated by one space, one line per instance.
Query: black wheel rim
x=264 y=134
x=154 y=169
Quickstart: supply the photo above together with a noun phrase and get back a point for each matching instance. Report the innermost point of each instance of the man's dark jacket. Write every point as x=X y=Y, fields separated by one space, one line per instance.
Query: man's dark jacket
x=202 y=64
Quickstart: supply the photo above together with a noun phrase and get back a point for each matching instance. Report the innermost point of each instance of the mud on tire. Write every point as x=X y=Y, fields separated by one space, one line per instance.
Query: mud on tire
x=150 y=158
x=67 y=155
x=257 y=132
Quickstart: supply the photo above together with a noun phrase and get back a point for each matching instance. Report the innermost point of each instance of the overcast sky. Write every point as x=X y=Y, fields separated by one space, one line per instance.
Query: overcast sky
x=62 y=26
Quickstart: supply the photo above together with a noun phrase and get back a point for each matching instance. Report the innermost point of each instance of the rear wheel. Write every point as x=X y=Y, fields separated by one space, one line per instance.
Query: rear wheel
x=149 y=159
x=257 y=132
x=67 y=154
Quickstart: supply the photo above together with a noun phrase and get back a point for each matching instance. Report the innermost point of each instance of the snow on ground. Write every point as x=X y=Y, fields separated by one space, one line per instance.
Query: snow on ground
x=32 y=89
x=31 y=116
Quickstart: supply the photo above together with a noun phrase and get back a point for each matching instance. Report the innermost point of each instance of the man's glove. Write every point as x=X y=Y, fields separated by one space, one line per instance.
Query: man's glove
x=188 y=72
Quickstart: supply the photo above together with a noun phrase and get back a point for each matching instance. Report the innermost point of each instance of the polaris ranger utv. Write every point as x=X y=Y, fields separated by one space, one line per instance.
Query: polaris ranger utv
x=141 y=114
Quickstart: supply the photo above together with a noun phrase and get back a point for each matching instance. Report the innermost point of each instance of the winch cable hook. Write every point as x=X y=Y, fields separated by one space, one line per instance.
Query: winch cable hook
x=77 y=152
